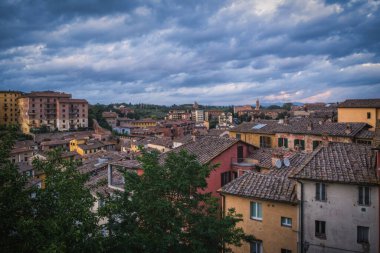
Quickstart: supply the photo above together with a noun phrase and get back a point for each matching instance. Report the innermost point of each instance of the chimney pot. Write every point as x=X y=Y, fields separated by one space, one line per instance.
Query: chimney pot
x=348 y=129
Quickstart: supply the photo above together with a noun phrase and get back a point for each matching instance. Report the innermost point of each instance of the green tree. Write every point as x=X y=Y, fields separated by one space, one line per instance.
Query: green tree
x=63 y=218
x=287 y=106
x=16 y=213
x=164 y=211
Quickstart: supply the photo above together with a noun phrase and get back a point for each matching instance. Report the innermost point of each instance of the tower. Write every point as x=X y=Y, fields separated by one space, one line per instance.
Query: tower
x=257 y=105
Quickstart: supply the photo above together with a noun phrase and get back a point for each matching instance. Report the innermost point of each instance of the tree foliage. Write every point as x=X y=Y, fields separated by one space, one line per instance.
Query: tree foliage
x=164 y=210
x=55 y=219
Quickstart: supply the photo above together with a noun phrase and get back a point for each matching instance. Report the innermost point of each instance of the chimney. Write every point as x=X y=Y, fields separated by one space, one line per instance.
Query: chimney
x=309 y=126
x=325 y=140
x=286 y=120
x=276 y=156
x=348 y=129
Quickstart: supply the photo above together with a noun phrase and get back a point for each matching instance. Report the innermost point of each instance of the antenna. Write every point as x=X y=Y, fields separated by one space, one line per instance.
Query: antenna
x=278 y=163
x=286 y=162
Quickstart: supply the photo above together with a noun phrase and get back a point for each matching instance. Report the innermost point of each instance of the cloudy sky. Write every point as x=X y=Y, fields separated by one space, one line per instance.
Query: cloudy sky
x=215 y=51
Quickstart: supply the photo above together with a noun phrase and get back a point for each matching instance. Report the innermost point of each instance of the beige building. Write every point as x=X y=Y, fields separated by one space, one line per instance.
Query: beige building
x=360 y=110
x=55 y=110
x=9 y=110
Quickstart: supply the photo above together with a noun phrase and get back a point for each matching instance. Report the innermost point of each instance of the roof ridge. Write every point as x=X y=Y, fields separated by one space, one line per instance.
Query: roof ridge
x=293 y=174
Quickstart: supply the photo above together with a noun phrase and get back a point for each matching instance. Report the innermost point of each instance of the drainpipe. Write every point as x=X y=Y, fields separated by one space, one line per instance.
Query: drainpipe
x=301 y=219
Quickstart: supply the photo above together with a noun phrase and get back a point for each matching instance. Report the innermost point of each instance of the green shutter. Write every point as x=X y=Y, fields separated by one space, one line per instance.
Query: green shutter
x=286 y=142
x=280 y=142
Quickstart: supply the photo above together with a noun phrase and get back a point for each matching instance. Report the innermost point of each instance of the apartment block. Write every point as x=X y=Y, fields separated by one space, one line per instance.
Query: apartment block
x=54 y=110
x=9 y=110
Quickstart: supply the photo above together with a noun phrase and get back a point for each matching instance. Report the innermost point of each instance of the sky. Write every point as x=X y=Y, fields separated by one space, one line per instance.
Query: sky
x=215 y=52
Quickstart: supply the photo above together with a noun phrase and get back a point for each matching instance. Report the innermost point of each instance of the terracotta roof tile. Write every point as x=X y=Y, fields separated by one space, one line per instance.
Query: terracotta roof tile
x=262 y=186
x=348 y=163
x=301 y=126
x=205 y=148
x=360 y=103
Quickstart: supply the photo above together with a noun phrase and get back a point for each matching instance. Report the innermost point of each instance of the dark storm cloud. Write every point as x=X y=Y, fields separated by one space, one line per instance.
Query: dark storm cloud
x=216 y=52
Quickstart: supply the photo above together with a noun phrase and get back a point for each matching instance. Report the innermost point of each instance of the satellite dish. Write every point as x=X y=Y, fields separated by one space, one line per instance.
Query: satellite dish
x=286 y=162
x=278 y=163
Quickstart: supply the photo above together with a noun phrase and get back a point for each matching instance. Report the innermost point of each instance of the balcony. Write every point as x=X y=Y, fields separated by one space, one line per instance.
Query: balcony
x=243 y=162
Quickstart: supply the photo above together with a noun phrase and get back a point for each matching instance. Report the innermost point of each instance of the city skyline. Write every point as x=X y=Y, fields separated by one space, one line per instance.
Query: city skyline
x=174 y=52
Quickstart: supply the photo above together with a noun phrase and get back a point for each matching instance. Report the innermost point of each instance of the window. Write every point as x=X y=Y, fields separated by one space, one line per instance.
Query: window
x=320 y=191
x=316 y=144
x=256 y=211
x=300 y=144
x=320 y=229
x=364 y=196
x=363 y=234
x=256 y=247
x=283 y=142
x=286 y=251
x=225 y=178
x=368 y=115
x=265 y=142
x=286 y=222
x=238 y=136
x=364 y=142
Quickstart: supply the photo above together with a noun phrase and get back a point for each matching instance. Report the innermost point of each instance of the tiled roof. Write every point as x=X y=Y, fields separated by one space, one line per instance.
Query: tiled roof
x=261 y=186
x=130 y=164
x=301 y=126
x=264 y=158
x=109 y=115
x=184 y=139
x=348 y=163
x=205 y=148
x=55 y=142
x=365 y=134
x=93 y=144
x=73 y=100
x=360 y=103
x=47 y=94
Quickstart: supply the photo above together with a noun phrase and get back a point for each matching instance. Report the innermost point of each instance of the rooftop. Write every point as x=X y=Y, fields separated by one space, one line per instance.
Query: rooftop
x=360 y=103
x=262 y=186
x=301 y=126
x=347 y=163
x=205 y=148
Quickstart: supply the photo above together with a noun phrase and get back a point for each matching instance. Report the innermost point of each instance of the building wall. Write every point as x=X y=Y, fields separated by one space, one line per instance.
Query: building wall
x=308 y=140
x=54 y=110
x=342 y=215
x=224 y=160
x=25 y=156
x=9 y=110
x=359 y=115
x=72 y=115
x=274 y=237
x=254 y=138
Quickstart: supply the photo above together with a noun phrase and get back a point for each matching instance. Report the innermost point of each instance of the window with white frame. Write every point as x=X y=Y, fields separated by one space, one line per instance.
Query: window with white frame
x=286 y=222
x=256 y=211
x=364 y=196
x=320 y=192
x=256 y=247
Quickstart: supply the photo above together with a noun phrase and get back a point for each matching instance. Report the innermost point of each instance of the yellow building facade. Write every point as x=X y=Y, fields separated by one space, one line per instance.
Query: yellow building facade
x=74 y=146
x=270 y=231
x=255 y=138
x=360 y=110
x=371 y=116
x=9 y=109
